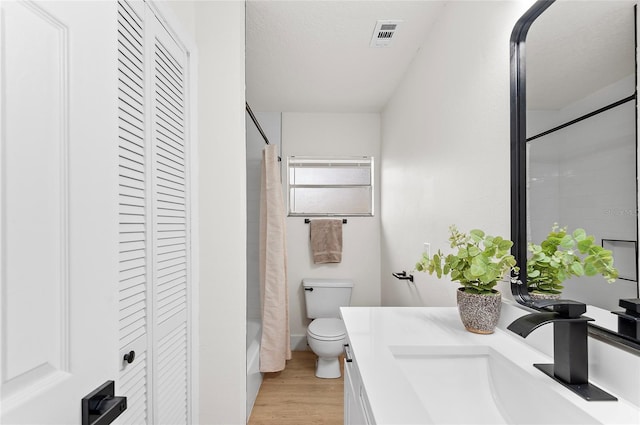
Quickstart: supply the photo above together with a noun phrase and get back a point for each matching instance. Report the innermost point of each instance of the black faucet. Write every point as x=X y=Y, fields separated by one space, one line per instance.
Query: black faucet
x=629 y=320
x=570 y=349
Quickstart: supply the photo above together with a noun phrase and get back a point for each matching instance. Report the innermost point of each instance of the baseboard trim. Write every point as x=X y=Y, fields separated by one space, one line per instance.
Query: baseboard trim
x=299 y=343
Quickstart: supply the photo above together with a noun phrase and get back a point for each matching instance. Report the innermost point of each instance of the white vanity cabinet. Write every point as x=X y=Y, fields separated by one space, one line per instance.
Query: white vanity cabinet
x=410 y=365
x=356 y=405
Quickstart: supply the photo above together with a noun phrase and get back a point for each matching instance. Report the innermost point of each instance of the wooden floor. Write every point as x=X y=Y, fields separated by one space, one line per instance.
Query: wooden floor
x=296 y=397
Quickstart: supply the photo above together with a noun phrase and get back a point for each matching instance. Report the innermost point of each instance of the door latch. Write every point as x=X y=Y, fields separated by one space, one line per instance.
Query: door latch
x=101 y=407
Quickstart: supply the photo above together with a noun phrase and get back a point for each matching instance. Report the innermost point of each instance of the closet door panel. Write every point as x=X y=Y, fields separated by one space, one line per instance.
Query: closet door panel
x=134 y=218
x=172 y=379
x=171 y=230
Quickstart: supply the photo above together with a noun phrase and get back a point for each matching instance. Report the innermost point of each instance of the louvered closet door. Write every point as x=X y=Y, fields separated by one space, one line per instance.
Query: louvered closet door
x=154 y=221
x=171 y=235
x=135 y=218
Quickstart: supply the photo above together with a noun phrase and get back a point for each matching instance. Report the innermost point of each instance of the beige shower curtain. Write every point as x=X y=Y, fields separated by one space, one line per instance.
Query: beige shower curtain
x=275 y=346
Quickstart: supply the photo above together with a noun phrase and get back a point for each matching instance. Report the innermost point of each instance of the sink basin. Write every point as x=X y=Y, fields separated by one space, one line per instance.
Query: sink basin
x=478 y=385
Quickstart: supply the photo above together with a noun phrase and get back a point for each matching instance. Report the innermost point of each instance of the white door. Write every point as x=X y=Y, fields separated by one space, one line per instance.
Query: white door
x=59 y=207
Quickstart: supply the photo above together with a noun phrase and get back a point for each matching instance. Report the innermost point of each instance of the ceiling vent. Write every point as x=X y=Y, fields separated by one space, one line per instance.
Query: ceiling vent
x=384 y=33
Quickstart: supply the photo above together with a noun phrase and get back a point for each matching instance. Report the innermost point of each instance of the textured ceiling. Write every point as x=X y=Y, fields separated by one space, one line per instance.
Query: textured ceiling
x=314 y=56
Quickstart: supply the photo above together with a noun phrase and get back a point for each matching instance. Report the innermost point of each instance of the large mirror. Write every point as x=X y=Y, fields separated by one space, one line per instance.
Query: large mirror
x=574 y=139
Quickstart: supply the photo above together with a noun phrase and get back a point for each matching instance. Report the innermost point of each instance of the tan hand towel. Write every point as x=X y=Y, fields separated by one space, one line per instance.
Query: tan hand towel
x=326 y=240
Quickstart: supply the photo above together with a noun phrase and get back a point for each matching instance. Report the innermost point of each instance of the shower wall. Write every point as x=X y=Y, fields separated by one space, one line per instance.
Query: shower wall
x=585 y=176
x=271 y=125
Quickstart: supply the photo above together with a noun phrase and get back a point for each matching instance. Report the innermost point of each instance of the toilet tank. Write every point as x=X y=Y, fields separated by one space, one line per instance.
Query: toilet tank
x=324 y=297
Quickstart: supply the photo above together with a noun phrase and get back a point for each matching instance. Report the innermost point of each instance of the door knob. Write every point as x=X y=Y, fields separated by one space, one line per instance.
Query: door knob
x=130 y=357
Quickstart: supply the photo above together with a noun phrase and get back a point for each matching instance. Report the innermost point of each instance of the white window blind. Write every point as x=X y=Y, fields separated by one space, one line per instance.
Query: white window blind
x=323 y=186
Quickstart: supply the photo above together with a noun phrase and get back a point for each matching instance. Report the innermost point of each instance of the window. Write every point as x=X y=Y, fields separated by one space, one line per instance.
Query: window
x=321 y=186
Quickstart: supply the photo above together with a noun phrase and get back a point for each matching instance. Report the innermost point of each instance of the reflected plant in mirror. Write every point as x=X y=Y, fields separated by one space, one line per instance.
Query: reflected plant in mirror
x=562 y=255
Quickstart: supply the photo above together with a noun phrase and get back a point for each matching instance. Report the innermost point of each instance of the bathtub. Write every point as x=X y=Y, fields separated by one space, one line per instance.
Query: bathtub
x=254 y=377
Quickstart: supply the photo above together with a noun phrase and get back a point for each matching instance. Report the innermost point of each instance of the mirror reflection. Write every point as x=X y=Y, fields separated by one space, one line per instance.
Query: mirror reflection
x=581 y=153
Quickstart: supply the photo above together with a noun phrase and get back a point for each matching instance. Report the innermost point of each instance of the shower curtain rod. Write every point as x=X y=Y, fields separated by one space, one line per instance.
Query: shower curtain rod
x=255 y=121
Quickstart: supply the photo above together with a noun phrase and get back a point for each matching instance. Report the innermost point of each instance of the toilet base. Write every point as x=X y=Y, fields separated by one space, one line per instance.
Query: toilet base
x=328 y=367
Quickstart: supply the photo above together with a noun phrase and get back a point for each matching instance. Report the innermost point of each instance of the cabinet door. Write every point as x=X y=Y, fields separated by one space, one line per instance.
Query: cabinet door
x=356 y=404
x=353 y=414
x=353 y=409
x=363 y=403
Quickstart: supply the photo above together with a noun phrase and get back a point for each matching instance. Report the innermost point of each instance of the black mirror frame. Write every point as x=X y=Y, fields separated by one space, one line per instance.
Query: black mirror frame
x=518 y=146
x=518 y=109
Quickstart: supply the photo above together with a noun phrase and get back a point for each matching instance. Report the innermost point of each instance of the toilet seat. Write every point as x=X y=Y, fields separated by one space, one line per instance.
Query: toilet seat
x=327 y=329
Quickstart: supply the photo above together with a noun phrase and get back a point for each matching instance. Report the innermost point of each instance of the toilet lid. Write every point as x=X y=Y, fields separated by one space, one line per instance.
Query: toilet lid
x=327 y=329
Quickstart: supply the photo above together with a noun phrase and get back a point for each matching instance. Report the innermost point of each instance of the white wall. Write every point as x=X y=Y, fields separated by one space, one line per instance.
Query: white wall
x=183 y=10
x=445 y=152
x=222 y=211
x=332 y=135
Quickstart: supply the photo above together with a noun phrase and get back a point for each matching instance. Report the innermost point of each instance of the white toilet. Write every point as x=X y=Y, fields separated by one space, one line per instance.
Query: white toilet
x=326 y=334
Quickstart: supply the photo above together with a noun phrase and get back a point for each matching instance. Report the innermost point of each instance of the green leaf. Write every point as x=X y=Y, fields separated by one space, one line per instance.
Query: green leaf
x=437 y=260
x=478 y=270
x=473 y=251
x=487 y=278
x=579 y=234
x=590 y=269
x=490 y=252
x=577 y=269
x=467 y=275
x=543 y=259
x=567 y=242
x=505 y=245
x=584 y=245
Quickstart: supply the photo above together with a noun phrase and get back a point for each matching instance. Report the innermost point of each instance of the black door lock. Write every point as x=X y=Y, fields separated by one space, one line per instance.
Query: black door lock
x=101 y=407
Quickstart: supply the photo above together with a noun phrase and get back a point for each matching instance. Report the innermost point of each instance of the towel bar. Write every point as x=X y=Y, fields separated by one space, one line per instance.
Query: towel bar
x=308 y=220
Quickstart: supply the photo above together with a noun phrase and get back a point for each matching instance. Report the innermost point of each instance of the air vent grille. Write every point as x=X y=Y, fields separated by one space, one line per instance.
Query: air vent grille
x=384 y=33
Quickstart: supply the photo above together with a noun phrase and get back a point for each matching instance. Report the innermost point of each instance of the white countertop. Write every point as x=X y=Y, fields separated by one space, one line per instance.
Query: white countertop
x=373 y=330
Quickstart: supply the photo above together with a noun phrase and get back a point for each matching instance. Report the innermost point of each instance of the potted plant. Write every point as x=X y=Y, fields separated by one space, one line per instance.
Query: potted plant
x=562 y=255
x=480 y=260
